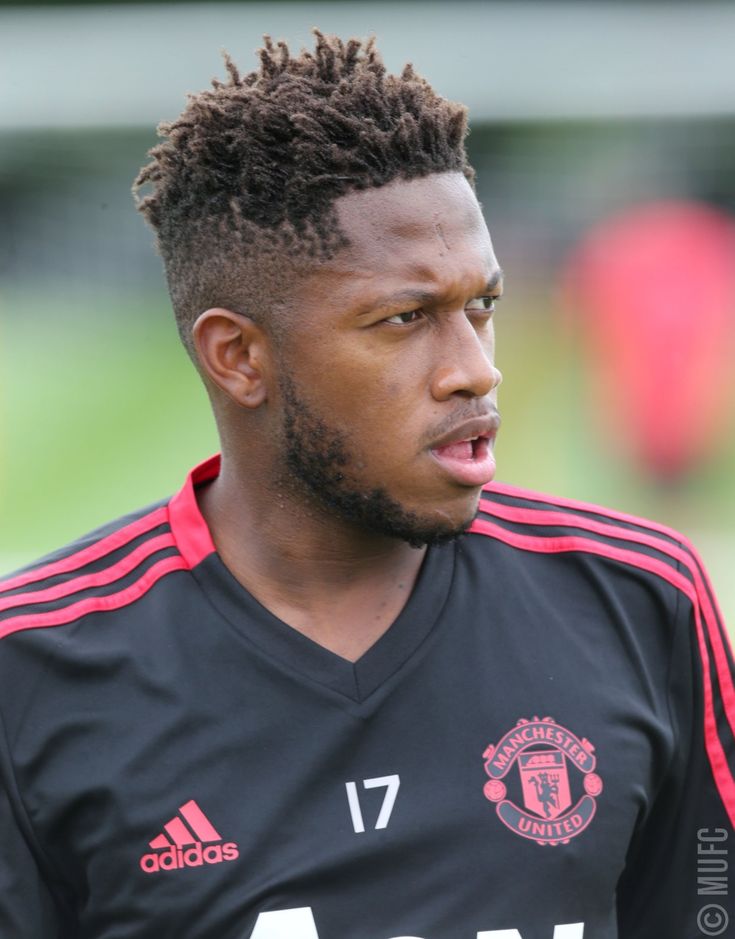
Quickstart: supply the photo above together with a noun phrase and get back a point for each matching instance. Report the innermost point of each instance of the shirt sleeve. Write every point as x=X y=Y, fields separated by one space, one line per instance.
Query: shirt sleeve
x=27 y=908
x=679 y=880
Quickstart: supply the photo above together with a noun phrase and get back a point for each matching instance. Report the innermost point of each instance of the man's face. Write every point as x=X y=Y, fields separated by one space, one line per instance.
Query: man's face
x=387 y=382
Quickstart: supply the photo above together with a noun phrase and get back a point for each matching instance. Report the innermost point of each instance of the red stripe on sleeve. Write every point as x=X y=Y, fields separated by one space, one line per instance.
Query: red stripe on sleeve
x=504 y=489
x=112 y=601
x=708 y=594
x=94 y=552
x=107 y=576
x=560 y=544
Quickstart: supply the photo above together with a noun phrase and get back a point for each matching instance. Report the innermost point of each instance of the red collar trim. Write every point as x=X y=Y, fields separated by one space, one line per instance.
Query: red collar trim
x=189 y=529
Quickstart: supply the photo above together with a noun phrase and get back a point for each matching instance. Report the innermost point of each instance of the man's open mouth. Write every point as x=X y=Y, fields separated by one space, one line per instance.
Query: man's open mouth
x=474 y=448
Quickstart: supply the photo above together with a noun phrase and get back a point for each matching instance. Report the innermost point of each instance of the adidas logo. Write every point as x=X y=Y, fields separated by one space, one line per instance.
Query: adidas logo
x=188 y=840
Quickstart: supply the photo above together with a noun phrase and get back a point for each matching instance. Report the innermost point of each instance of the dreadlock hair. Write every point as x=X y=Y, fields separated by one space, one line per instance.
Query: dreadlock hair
x=247 y=177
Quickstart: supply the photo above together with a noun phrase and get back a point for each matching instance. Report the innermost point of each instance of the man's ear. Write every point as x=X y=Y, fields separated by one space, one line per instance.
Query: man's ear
x=233 y=353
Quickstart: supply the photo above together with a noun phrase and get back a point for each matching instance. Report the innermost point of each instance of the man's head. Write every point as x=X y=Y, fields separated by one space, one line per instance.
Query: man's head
x=334 y=279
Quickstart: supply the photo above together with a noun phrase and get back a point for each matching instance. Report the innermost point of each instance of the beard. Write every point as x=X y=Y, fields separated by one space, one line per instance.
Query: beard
x=319 y=460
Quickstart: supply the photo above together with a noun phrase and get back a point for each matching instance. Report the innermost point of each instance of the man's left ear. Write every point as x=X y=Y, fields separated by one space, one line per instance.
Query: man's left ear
x=233 y=352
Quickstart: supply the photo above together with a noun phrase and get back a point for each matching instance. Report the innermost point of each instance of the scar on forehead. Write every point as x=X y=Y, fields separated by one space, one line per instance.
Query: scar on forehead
x=441 y=236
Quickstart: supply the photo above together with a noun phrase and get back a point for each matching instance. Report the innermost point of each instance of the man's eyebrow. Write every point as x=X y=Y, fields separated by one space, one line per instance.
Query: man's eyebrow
x=409 y=295
x=416 y=295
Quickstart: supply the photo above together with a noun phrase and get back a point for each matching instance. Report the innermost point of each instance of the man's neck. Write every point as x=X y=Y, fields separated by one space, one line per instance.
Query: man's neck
x=330 y=580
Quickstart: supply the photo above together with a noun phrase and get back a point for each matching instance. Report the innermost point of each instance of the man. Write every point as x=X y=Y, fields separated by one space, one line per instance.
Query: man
x=334 y=687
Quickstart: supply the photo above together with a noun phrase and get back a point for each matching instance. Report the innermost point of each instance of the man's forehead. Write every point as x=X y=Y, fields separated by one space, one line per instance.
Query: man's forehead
x=406 y=235
x=410 y=208
x=415 y=227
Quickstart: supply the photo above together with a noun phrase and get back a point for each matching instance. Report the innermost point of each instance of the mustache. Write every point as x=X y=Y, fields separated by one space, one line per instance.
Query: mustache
x=460 y=416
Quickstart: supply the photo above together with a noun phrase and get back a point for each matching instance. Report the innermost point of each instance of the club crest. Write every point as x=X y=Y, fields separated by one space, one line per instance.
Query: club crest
x=543 y=750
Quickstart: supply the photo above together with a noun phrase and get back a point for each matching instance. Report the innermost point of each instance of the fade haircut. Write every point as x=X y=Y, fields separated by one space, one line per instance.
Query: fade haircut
x=246 y=179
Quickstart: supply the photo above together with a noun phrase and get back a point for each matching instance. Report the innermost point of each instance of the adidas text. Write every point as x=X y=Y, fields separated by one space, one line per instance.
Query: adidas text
x=173 y=858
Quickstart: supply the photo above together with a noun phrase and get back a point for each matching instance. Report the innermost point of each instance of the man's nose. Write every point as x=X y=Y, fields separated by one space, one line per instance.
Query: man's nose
x=464 y=362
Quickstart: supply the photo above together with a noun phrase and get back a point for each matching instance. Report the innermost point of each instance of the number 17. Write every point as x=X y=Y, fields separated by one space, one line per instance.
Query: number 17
x=391 y=783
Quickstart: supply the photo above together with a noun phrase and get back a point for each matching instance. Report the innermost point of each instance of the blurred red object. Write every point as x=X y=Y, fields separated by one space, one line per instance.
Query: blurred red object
x=654 y=290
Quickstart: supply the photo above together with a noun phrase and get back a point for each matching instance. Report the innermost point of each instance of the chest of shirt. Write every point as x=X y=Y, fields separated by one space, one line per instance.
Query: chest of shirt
x=484 y=774
x=472 y=794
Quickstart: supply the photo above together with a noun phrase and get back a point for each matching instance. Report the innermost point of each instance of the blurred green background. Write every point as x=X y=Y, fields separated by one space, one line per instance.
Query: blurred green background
x=101 y=411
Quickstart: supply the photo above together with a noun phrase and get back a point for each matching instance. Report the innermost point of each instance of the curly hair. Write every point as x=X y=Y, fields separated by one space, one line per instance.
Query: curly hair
x=249 y=173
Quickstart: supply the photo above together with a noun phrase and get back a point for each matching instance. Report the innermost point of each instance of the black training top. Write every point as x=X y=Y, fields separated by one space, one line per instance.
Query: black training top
x=540 y=747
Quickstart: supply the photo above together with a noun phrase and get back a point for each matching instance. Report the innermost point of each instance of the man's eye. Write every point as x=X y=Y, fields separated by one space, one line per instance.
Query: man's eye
x=482 y=305
x=403 y=319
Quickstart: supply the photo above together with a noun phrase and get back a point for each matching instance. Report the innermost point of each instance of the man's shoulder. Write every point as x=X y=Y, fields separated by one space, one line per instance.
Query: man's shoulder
x=552 y=526
x=105 y=569
x=514 y=503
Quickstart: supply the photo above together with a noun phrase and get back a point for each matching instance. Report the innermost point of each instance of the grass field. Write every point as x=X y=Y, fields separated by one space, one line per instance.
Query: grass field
x=98 y=415
x=101 y=412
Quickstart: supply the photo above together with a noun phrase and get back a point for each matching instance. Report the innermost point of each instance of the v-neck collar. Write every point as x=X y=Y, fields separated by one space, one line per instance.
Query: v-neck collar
x=286 y=645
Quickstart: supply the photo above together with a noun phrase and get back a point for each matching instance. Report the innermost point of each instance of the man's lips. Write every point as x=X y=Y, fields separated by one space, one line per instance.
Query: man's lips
x=465 y=452
x=485 y=425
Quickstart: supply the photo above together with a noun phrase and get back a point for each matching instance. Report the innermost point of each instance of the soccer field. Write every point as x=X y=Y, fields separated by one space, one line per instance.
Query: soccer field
x=101 y=413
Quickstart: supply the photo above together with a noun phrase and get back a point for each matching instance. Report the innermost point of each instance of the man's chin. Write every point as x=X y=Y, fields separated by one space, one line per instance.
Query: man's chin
x=433 y=538
x=423 y=530
x=379 y=513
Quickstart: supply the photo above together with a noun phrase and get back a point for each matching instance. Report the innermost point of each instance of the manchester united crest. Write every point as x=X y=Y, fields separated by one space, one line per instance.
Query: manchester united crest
x=543 y=751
